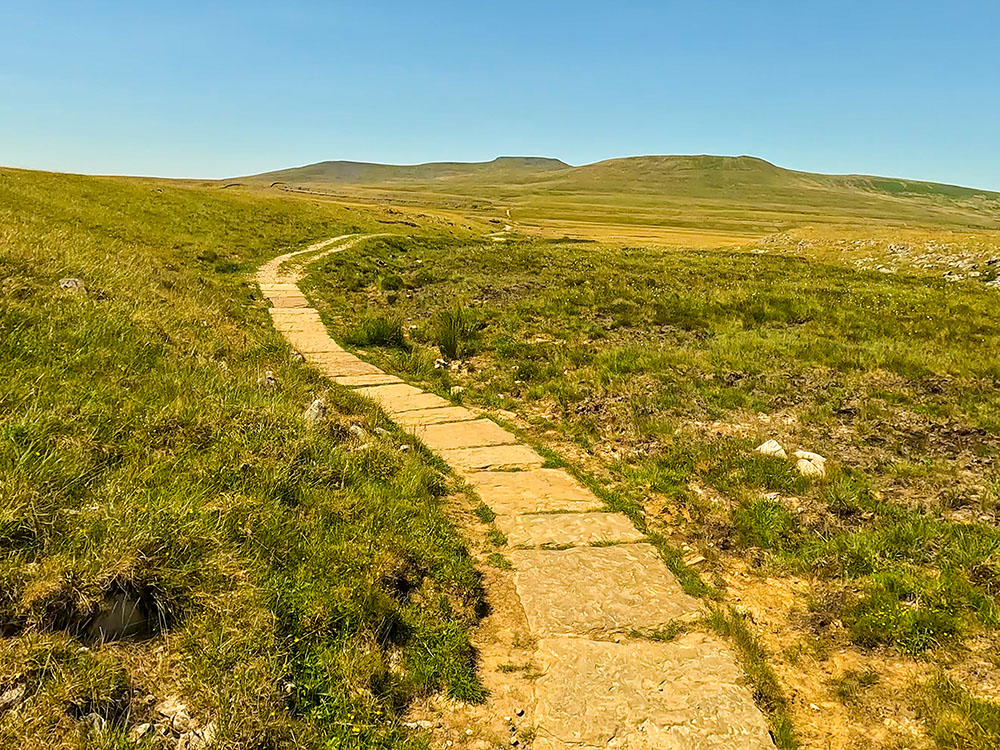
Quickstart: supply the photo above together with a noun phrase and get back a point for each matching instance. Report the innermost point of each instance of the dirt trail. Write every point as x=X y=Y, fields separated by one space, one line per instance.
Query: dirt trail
x=591 y=589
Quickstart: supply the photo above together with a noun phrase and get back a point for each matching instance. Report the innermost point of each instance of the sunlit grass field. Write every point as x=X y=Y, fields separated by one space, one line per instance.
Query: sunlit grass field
x=291 y=585
x=657 y=373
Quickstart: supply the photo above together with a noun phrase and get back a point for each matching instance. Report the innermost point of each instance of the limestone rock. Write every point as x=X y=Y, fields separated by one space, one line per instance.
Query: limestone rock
x=358 y=432
x=772 y=448
x=197 y=739
x=810 y=464
x=10 y=698
x=268 y=381
x=73 y=284
x=316 y=412
x=175 y=715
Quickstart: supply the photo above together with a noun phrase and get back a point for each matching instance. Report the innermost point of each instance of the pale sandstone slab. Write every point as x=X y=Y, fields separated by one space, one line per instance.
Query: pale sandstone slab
x=271 y=288
x=598 y=590
x=492 y=457
x=361 y=381
x=472 y=434
x=402 y=397
x=312 y=341
x=682 y=695
x=440 y=415
x=343 y=367
x=290 y=301
x=575 y=529
x=535 y=491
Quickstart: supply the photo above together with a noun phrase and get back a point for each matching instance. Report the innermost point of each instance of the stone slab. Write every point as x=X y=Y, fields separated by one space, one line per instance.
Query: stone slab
x=466 y=460
x=575 y=529
x=472 y=434
x=598 y=590
x=294 y=312
x=402 y=397
x=344 y=367
x=440 y=415
x=278 y=287
x=310 y=340
x=290 y=301
x=535 y=491
x=360 y=381
x=682 y=695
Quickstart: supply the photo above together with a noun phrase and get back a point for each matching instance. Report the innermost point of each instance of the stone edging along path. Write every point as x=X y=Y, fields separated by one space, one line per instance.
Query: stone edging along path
x=589 y=585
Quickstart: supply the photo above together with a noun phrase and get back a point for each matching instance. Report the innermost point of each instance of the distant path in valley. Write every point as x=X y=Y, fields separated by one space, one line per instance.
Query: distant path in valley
x=592 y=589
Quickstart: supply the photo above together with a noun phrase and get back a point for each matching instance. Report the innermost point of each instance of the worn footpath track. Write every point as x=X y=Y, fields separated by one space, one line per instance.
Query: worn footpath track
x=591 y=588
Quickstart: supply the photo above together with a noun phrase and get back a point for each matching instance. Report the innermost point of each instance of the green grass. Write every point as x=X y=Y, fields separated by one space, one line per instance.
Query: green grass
x=754 y=659
x=960 y=720
x=664 y=369
x=299 y=590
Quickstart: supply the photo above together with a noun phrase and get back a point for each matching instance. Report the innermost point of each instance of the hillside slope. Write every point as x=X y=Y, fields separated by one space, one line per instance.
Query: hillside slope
x=738 y=194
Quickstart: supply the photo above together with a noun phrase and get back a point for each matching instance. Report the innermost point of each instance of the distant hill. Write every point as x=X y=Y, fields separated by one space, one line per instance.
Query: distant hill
x=363 y=173
x=732 y=193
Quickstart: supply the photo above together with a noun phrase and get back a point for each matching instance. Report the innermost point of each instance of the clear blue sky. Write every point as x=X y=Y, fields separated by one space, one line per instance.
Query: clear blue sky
x=213 y=89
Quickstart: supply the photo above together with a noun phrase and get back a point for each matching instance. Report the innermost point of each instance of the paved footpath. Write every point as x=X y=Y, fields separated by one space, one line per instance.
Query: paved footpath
x=590 y=586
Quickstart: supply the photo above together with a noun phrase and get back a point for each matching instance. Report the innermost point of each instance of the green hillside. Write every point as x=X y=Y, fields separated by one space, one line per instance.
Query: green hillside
x=362 y=173
x=737 y=194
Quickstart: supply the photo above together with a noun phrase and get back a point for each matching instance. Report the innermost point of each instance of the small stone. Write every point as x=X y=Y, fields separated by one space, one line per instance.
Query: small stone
x=298 y=357
x=197 y=739
x=95 y=721
x=10 y=697
x=316 y=412
x=772 y=448
x=455 y=390
x=268 y=381
x=139 y=731
x=382 y=432
x=73 y=284
x=403 y=448
x=519 y=712
x=358 y=431
x=810 y=464
x=809 y=469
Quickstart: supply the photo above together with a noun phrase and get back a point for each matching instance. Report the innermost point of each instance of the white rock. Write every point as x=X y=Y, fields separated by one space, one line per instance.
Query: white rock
x=455 y=390
x=772 y=448
x=72 y=284
x=358 y=431
x=316 y=412
x=808 y=456
x=268 y=381
x=810 y=464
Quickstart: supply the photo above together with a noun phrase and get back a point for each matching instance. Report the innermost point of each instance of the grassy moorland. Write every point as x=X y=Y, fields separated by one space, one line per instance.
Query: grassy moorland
x=731 y=197
x=656 y=373
x=289 y=585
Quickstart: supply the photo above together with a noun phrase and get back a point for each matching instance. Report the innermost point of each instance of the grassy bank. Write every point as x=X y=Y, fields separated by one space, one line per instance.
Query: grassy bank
x=289 y=585
x=659 y=372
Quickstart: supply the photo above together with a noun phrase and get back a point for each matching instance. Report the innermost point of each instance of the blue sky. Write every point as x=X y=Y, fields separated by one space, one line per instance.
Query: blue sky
x=213 y=89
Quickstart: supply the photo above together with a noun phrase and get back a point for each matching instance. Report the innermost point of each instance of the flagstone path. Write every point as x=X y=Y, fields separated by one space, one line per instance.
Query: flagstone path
x=590 y=586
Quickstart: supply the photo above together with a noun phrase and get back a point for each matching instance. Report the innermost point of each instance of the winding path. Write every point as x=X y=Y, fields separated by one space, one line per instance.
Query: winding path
x=592 y=589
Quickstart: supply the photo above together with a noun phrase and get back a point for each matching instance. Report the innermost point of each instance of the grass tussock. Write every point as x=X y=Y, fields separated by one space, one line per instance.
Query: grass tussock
x=377 y=330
